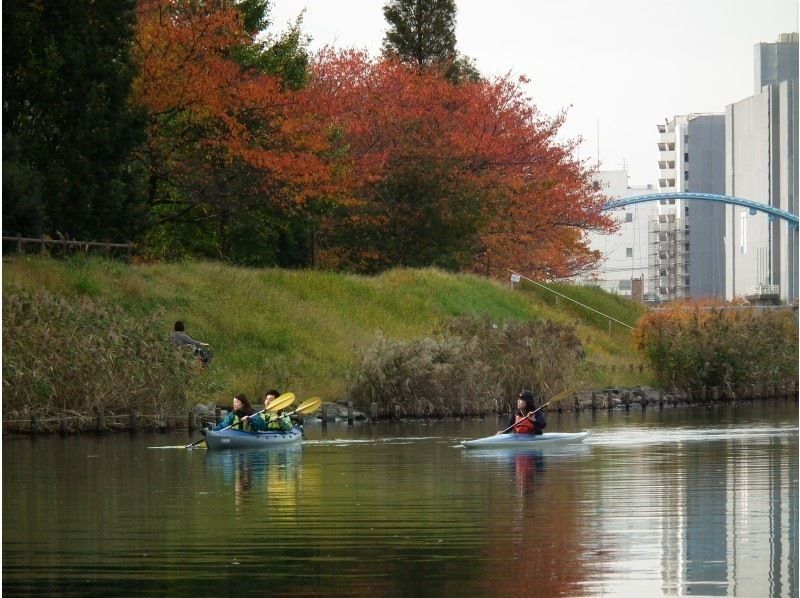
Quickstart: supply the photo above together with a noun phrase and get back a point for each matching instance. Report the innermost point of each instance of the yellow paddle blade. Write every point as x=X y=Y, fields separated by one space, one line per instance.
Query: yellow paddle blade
x=308 y=405
x=282 y=402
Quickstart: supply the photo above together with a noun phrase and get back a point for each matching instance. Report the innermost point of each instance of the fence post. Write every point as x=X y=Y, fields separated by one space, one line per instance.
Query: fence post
x=349 y=413
x=374 y=412
x=133 y=420
x=34 y=425
x=325 y=408
x=99 y=420
x=62 y=426
x=192 y=422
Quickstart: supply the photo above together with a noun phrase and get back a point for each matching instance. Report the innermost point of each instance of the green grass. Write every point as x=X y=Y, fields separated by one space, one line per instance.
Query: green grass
x=303 y=330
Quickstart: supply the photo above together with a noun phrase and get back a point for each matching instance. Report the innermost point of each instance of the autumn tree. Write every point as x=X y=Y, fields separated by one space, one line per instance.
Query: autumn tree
x=68 y=131
x=438 y=172
x=233 y=151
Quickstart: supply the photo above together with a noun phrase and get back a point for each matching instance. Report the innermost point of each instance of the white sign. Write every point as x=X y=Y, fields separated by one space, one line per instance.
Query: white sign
x=515 y=278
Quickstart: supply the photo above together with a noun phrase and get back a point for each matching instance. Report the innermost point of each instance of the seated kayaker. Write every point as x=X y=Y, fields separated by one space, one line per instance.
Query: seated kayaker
x=523 y=420
x=238 y=418
x=271 y=421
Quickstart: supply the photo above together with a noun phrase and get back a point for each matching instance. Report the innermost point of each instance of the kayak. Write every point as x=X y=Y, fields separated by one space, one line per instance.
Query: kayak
x=525 y=440
x=236 y=439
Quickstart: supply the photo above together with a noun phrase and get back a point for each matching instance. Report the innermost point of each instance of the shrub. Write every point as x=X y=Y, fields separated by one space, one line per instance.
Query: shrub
x=470 y=360
x=692 y=346
x=77 y=356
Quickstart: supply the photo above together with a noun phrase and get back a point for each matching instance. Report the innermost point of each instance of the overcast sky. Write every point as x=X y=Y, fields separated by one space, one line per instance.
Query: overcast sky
x=619 y=66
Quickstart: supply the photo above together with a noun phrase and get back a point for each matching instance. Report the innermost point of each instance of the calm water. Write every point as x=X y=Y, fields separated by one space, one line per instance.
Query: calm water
x=682 y=502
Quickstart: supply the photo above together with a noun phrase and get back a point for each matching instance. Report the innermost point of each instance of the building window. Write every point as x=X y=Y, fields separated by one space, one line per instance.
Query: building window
x=628 y=217
x=629 y=252
x=686 y=139
x=743 y=233
x=685 y=175
x=685 y=156
x=624 y=285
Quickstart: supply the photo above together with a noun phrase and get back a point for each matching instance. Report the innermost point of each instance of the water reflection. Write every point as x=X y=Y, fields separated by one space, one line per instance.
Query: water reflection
x=274 y=473
x=672 y=503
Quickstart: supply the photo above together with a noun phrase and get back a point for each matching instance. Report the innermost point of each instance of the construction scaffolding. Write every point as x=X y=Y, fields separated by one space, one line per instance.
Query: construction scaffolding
x=668 y=259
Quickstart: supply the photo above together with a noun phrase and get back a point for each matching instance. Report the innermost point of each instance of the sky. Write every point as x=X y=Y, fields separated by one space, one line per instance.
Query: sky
x=619 y=67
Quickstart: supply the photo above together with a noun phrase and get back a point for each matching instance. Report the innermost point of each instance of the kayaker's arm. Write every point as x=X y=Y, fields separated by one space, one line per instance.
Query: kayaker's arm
x=225 y=422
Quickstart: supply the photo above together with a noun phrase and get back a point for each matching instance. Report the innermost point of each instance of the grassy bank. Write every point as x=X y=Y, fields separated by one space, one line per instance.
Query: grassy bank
x=304 y=330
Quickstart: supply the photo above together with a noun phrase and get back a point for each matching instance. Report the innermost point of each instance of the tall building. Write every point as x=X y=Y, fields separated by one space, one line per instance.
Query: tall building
x=761 y=139
x=687 y=252
x=625 y=253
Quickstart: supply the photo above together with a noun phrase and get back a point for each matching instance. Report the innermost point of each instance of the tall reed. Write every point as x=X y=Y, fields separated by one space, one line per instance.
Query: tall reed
x=472 y=364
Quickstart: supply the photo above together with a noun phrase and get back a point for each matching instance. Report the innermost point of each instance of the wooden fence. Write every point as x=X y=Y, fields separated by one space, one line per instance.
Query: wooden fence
x=65 y=246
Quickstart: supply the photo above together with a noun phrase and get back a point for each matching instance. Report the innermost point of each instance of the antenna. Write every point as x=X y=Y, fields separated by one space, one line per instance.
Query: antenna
x=598 y=142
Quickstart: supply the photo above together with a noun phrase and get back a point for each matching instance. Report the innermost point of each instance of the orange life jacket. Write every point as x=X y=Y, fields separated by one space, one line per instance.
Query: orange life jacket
x=524 y=425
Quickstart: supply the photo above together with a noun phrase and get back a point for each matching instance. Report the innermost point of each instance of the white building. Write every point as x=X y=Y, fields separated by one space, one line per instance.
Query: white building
x=687 y=249
x=625 y=265
x=761 y=138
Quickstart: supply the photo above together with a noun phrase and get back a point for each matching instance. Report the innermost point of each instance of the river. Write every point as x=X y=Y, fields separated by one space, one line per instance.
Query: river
x=683 y=501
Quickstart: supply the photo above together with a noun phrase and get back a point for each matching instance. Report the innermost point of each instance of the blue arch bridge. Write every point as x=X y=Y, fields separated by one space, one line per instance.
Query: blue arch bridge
x=753 y=206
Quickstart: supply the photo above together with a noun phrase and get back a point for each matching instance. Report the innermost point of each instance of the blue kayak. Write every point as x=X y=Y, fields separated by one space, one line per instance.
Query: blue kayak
x=524 y=440
x=236 y=439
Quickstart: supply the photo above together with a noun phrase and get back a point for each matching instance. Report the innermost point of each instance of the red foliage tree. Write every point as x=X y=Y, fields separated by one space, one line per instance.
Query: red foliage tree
x=223 y=140
x=483 y=139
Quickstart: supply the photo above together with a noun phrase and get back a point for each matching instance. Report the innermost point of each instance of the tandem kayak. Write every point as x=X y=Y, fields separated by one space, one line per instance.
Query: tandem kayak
x=525 y=440
x=236 y=439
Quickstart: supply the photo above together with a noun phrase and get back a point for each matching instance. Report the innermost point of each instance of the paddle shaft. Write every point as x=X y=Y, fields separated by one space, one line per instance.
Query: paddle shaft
x=534 y=412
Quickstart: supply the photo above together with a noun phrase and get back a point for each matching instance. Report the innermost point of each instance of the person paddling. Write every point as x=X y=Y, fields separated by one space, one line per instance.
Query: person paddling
x=268 y=420
x=239 y=417
x=524 y=420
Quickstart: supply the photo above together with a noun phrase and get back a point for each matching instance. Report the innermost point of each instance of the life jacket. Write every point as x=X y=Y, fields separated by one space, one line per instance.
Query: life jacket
x=240 y=424
x=524 y=425
x=277 y=422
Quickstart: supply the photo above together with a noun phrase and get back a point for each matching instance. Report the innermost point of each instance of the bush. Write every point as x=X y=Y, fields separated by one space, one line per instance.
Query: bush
x=694 y=346
x=470 y=360
x=78 y=356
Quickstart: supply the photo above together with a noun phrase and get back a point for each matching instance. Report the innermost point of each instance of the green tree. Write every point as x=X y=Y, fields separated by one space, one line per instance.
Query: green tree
x=68 y=131
x=421 y=31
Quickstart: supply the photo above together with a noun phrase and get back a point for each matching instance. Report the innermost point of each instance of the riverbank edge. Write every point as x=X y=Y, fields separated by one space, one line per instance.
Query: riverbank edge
x=609 y=399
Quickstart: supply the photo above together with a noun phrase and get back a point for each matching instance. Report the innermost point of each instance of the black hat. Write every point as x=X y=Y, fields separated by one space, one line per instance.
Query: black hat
x=525 y=394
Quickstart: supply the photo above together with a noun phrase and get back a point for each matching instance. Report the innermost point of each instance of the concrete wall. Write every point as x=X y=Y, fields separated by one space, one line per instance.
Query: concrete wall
x=761 y=163
x=706 y=220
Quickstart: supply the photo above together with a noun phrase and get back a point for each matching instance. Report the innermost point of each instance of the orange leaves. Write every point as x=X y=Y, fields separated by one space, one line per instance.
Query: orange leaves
x=204 y=105
x=536 y=199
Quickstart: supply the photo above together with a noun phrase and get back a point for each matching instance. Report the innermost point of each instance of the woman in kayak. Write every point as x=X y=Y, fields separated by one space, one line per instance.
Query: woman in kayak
x=522 y=421
x=270 y=421
x=239 y=417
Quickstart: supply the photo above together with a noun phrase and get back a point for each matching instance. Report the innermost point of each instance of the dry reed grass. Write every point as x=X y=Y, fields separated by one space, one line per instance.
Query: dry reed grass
x=74 y=358
x=471 y=365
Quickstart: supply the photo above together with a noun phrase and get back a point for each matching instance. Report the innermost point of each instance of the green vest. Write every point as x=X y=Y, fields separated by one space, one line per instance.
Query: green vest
x=279 y=422
x=239 y=424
